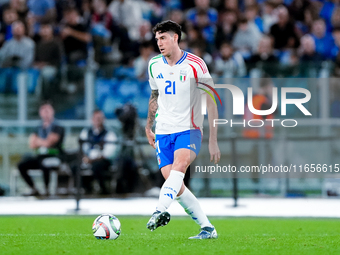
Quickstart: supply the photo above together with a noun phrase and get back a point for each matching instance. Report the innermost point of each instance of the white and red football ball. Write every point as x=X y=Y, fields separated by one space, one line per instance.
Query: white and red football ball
x=106 y=226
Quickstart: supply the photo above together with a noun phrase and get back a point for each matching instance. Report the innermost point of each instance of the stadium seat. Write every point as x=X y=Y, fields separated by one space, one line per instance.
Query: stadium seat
x=34 y=174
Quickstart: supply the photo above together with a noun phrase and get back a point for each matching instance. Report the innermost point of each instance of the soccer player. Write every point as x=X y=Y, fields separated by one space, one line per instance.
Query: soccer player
x=176 y=107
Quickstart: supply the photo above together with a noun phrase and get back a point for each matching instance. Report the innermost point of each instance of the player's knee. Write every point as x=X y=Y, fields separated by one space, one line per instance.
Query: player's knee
x=180 y=166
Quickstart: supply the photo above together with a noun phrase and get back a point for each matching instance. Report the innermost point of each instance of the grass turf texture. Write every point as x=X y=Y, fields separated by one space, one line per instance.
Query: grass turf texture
x=73 y=235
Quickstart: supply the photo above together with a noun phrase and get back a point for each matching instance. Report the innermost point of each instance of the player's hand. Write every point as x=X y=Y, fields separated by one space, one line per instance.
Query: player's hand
x=214 y=150
x=151 y=137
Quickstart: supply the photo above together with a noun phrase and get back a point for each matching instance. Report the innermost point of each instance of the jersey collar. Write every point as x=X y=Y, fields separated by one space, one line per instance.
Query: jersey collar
x=185 y=54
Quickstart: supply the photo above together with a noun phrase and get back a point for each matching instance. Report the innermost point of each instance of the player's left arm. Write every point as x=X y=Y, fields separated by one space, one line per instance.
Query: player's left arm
x=214 y=150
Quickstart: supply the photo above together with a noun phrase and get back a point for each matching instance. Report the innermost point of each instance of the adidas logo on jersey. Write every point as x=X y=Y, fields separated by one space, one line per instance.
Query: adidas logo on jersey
x=160 y=76
x=192 y=146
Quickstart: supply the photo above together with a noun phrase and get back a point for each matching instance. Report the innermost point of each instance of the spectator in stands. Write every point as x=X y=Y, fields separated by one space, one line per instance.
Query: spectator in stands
x=103 y=30
x=18 y=51
x=75 y=37
x=208 y=31
x=98 y=151
x=307 y=51
x=140 y=64
x=246 y=38
x=199 y=50
x=8 y=16
x=128 y=15
x=252 y=15
x=40 y=11
x=229 y=64
x=178 y=16
x=309 y=58
x=336 y=18
x=264 y=56
x=145 y=33
x=202 y=5
x=283 y=32
x=86 y=12
x=323 y=41
x=231 y=5
x=305 y=26
x=326 y=12
x=19 y=6
x=268 y=16
x=48 y=56
x=226 y=28
x=336 y=51
x=47 y=141
x=194 y=36
x=297 y=9
x=205 y=18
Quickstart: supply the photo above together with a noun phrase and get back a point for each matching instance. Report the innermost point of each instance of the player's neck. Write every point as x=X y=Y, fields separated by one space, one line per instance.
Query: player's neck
x=174 y=57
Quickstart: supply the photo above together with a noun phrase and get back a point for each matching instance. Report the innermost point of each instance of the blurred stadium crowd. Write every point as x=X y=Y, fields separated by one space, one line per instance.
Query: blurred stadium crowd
x=57 y=40
x=231 y=36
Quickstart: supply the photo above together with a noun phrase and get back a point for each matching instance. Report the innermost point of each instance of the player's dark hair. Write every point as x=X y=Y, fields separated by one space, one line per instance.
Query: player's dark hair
x=168 y=26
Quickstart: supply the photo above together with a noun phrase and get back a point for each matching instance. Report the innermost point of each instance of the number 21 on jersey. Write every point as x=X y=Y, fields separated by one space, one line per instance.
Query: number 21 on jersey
x=168 y=88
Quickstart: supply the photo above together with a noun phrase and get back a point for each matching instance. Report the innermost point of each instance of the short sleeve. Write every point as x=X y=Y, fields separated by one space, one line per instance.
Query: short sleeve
x=205 y=81
x=152 y=82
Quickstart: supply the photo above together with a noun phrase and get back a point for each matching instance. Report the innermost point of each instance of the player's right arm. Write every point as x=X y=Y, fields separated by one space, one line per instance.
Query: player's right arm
x=153 y=106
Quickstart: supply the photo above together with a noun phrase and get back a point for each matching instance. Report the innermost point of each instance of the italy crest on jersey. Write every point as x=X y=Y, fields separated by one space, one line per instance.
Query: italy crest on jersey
x=182 y=75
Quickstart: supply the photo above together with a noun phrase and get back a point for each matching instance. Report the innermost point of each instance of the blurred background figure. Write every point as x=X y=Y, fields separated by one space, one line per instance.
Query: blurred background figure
x=264 y=57
x=205 y=18
x=75 y=37
x=104 y=30
x=98 y=149
x=323 y=41
x=229 y=63
x=246 y=38
x=40 y=11
x=8 y=17
x=18 y=51
x=268 y=15
x=20 y=6
x=47 y=141
x=48 y=58
x=140 y=64
x=307 y=51
x=128 y=15
x=226 y=28
x=283 y=32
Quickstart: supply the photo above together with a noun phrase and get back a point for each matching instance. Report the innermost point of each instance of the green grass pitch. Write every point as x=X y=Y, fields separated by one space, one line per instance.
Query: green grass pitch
x=73 y=235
